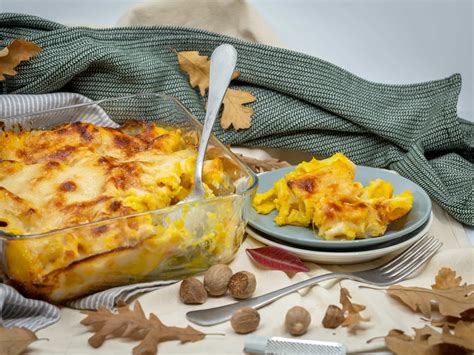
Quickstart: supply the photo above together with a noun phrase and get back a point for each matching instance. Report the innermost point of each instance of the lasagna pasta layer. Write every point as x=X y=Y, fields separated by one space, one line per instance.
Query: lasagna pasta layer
x=80 y=173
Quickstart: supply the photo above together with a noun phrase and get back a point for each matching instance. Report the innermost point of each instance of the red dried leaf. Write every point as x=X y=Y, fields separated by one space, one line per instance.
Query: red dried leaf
x=277 y=259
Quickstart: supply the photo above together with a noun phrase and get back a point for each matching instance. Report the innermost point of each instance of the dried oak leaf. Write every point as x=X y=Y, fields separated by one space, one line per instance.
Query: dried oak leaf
x=451 y=302
x=428 y=341
x=133 y=324
x=400 y=343
x=261 y=165
x=18 y=51
x=197 y=67
x=347 y=305
x=462 y=335
x=467 y=316
x=446 y=279
x=442 y=322
x=15 y=340
x=234 y=113
x=353 y=318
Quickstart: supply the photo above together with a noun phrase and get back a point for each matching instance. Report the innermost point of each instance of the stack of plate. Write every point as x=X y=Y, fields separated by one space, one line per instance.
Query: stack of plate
x=306 y=243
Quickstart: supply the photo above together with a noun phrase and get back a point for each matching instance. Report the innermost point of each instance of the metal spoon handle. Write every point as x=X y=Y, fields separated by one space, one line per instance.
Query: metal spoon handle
x=212 y=316
x=223 y=61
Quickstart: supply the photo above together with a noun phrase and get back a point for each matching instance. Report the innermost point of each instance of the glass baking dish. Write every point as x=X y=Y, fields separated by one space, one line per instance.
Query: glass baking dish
x=167 y=243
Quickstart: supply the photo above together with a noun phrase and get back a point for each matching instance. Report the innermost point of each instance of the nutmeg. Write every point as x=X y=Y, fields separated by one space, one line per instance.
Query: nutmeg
x=333 y=318
x=242 y=285
x=245 y=320
x=192 y=291
x=297 y=320
x=216 y=279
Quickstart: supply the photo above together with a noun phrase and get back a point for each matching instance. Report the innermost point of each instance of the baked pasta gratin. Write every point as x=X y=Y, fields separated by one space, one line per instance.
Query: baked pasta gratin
x=79 y=174
x=323 y=194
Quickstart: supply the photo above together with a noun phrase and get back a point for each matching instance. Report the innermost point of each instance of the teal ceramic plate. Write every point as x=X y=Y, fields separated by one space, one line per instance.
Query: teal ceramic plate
x=345 y=256
x=306 y=237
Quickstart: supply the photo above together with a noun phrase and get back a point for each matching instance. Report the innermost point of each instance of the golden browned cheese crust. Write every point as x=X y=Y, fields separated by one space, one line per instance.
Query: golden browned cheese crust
x=80 y=173
x=323 y=193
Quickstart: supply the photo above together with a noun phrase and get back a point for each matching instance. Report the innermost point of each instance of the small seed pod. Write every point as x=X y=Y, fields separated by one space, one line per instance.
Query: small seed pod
x=192 y=291
x=297 y=320
x=216 y=279
x=242 y=285
x=245 y=320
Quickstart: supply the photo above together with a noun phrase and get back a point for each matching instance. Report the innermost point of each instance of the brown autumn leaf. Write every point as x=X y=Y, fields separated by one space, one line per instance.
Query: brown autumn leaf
x=428 y=341
x=353 y=321
x=451 y=302
x=400 y=343
x=133 y=324
x=446 y=279
x=197 y=67
x=261 y=165
x=18 y=51
x=234 y=113
x=442 y=322
x=333 y=317
x=347 y=305
x=353 y=318
x=15 y=340
x=467 y=316
x=462 y=335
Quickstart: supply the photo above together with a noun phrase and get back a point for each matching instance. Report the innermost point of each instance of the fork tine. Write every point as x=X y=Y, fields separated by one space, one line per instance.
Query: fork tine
x=409 y=256
x=414 y=264
x=412 y=249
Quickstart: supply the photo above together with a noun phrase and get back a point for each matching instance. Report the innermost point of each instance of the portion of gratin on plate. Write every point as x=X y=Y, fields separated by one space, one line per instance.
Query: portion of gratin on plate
x=78 y=197
x=323 y=194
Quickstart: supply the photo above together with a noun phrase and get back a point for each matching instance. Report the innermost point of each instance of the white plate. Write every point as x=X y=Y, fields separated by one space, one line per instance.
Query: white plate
x=344 y=257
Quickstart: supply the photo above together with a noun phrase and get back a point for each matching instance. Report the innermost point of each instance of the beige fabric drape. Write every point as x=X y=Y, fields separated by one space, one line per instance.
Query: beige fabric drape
x=236 y=18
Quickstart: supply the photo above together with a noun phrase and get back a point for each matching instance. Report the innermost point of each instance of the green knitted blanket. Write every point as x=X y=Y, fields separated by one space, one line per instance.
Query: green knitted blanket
x=303 y=103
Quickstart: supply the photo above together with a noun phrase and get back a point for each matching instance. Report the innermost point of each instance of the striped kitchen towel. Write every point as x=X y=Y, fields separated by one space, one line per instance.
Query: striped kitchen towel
x=16 y=110
x=303 y=103
x=110 y=297
x=19 y=311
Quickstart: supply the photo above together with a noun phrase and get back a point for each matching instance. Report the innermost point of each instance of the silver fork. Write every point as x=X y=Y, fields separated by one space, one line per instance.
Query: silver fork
x=387 y=274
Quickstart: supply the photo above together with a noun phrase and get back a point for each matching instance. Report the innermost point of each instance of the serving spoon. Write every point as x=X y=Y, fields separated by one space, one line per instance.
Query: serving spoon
x=223 y=61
